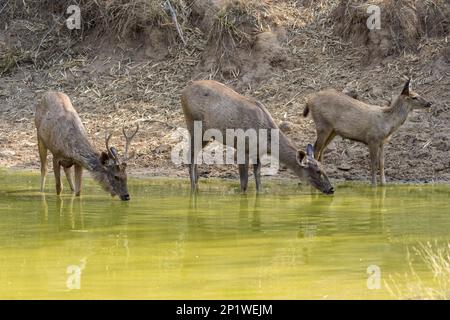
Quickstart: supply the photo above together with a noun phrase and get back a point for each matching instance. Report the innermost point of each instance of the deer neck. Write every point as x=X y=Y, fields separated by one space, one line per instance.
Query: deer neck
x=88 y=157
x=97 y=170
x=396 y=114
x=288 y=155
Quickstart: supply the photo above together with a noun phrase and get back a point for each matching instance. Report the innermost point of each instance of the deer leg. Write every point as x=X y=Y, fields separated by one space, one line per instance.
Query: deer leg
x=78 y=176
x=327 y=142
x=374 y=151
x=68 y=172
x=43 y=158
x=382 y=175
x=320 y=144
x=257 y=174
x=192 y=162
x=197 y=176
x=57 y=171
x=193 y=176
x=193 y=168
x=243 y=174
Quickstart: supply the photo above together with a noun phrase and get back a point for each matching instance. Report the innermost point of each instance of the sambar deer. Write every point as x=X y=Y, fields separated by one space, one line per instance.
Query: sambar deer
x=60 y=130
x=219 y=107
x=335 y=113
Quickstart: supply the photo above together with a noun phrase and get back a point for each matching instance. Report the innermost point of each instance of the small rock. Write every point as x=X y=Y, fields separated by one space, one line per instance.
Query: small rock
x=344 y=167
x=29 y=144
x=442 y=146
x=7 y=153
x=162 y=148
x=331 y=147
x=285 y=126
x=377 y=91
x=269 y=171
x=350 y=92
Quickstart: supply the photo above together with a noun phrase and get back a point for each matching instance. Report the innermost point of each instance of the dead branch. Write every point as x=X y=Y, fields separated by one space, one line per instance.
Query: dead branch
x=175 y=21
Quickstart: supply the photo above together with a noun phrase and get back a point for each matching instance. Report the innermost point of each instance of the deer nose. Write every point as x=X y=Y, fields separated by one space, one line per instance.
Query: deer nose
x=428 y=105
x=330 y=191
x=125 y=197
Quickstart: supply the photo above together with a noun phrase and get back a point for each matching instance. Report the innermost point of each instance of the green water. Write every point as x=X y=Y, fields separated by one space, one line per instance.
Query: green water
x=286 y=243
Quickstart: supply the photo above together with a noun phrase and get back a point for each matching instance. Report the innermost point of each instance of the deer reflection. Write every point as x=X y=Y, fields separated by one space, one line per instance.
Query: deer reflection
x=69 y=214
x=358 y=210
x=250 y=217
x=248 y=212
x=63 y=215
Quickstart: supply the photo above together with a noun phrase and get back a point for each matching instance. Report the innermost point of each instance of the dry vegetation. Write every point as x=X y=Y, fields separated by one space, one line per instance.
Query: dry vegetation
x=127 y=63
x=437 y=262
x=403 y=24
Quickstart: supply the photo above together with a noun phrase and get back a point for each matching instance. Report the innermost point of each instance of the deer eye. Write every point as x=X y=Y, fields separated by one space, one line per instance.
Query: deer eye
x=415 y=98
x=116 y=178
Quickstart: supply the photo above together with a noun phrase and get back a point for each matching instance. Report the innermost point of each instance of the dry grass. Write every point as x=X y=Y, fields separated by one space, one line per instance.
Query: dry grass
x=123 y=18
x=437 y=260
x=9 y=59
x=51 y=40
x=235 y=25
x=117 y=16
x=404 y=23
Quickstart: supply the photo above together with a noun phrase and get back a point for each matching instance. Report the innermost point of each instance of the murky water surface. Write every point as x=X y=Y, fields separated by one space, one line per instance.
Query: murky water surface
x=286 y=243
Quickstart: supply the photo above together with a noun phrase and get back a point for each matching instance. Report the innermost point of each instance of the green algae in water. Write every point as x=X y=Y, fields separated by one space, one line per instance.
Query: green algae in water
x=286 y=243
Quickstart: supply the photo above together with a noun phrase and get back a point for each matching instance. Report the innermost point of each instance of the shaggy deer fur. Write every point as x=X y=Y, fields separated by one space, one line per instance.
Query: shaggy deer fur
x=60 y=130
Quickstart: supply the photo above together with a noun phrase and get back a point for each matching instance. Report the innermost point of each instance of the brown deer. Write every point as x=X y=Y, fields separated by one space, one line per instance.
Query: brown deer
x=335 y=113
x=219 y=107
x=60 y=130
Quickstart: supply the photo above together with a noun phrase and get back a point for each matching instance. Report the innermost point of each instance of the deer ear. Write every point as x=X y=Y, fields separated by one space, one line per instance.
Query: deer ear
x=115 y=155
x=407 y=88
x=104 y=158
x=310 y=150
x=301 y=157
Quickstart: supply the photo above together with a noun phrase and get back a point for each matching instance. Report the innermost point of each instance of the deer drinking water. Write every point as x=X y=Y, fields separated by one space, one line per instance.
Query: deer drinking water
x=60 y=130
x=335 y=113
x=219 y=107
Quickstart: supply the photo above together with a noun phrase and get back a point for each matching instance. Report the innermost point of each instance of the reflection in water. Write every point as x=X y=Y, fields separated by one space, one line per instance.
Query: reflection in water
x=165 y=243
x=67 y=214
x=249 y=215
x=44 y=209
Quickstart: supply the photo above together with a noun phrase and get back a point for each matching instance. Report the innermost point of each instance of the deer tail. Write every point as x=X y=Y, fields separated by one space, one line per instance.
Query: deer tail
x=306 y=111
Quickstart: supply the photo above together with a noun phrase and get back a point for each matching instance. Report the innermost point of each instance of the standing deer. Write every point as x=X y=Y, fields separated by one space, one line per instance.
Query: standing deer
x=60 y=130
x=335 y=113
x=219 y=107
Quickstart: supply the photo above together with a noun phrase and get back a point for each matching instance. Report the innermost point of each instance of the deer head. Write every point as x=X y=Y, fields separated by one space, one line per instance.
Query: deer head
x=413 y=99
x=114 y=167
x=312 y=170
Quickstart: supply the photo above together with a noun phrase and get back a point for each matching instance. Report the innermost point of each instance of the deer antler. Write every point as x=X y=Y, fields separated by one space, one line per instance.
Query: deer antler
x=107 y=138
x=128 y=139
x=112 y=153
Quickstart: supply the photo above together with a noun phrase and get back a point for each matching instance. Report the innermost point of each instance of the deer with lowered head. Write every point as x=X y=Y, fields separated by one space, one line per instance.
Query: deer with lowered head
x=219 y=107
x=335 y=113
x=60 y=130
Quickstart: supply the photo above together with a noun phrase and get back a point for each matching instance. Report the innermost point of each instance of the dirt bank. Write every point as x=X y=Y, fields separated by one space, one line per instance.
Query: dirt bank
x=275 y=51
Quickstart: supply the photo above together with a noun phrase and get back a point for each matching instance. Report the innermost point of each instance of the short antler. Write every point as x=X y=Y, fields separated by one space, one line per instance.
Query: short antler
x=112 y=152
x=128 y=139
x=107 y=138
